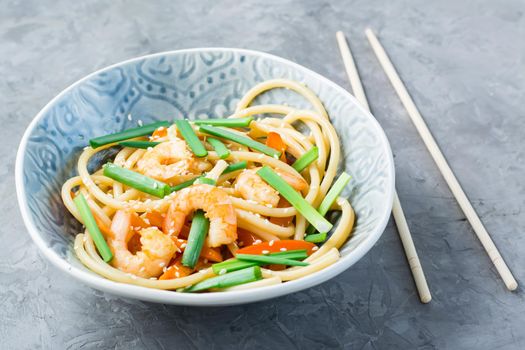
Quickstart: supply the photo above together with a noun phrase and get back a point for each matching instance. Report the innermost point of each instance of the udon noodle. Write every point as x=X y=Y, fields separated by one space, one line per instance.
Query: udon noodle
x=256 y=214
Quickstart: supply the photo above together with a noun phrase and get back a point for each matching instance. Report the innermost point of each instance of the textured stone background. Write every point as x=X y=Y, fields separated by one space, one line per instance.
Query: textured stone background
x=463 y=62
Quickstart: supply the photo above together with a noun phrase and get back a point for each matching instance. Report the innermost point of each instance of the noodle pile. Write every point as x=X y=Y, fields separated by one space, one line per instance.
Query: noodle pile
x=106 y=196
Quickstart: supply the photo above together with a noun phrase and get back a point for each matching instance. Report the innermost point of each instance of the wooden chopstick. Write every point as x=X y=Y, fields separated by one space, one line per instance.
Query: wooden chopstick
x=441 y=162
x=397 y=211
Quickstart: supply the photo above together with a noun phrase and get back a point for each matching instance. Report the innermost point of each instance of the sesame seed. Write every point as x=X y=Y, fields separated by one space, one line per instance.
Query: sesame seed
x=177 y=274
x=183 y=245
x=222 y=271
x=129 y=117
x=315 y=248
x=139 y=122
x=258 y=241
x=271 y=242
x=162 y=264
x=283 y=249
x=266 y=252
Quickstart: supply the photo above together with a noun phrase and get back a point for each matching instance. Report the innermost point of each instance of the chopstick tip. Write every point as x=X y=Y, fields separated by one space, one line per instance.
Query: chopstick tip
x=426 y=299
x=512 y=286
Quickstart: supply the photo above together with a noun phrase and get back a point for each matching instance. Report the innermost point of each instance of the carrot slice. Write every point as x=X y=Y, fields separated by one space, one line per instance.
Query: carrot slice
x=159 y=133
x=282 y=221
x=246 y=238
x=212 y=254
x=155 y=218
x=278 y=246
x=137 y=222
x=176 y=270
x=103 y=227
x=168 y=226
x=275 y=141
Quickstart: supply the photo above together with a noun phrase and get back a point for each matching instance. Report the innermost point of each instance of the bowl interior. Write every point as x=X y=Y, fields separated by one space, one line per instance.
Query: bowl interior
x=196 y=84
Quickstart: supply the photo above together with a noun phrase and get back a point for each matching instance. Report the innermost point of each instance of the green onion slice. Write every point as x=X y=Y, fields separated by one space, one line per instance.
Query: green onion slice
x=229 y=122
x=316 y=237
x=235 y=166
x=306 y=159
x=295 y=199
x=235 y=264
x=243 y=140
x=138 y=144
x=184 y=184
x=199 y=228
x=127 y=134
x=136 y=180
x=191 y=138
x=331 y=197
x=92 y=228
x=267 y=259
x=231 y=279
x=222 y=151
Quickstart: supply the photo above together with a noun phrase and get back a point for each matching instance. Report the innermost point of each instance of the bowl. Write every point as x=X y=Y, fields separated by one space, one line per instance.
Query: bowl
x=195 y=83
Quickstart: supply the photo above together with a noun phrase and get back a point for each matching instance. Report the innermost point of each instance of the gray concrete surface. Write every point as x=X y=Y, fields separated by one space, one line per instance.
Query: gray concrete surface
x=463 y=62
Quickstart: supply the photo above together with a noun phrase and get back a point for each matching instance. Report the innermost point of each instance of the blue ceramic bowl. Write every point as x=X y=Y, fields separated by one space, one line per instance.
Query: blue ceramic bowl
x=197 y=84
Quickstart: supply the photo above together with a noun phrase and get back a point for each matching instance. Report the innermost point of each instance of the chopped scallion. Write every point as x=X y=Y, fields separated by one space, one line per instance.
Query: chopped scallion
x=243 y=140
x=316 y=237
x=206 y=181
x=295 y=199
x=235 y=166
x=127 y=134
x=191 y=138
x=229 y=122
x=235 y=264
x=267 y=259
x=198 y=232
x=306 y=159
x=330 y=198
x=138 y=144
x=231 y=279
x=183 y=184
x=136 y=180
x=92 y=228
x=222 y=151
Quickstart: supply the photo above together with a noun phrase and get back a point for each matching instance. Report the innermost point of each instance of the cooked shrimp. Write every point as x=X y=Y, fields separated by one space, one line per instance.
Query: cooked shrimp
x=169 y=160
x=251 y=187
x=297 y=182
x=217 y=205
x=157 y=249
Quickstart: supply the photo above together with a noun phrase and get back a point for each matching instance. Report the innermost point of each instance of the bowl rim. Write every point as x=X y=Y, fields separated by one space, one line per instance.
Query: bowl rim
x=207 y=299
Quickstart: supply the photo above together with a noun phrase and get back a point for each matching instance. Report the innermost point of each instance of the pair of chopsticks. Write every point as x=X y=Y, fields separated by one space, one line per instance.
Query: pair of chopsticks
x=437 y=155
